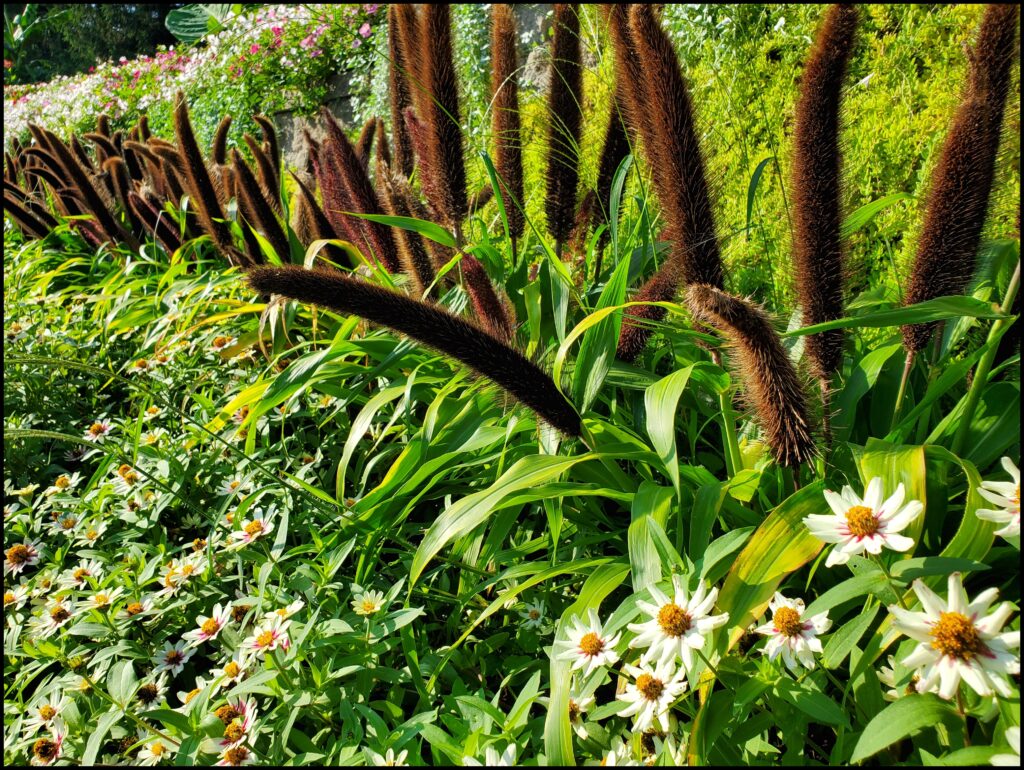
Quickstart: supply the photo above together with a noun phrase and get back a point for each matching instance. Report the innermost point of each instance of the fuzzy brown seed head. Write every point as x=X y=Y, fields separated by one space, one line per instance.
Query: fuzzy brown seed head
x=565 y=101
x=505 y=124
x=399 y=94
x=817 y=246
x=771 y=383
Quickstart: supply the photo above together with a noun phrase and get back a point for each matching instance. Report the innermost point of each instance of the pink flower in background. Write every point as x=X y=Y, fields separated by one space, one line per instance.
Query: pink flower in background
x=371 y=8
x=365 y=29
x=254 y=48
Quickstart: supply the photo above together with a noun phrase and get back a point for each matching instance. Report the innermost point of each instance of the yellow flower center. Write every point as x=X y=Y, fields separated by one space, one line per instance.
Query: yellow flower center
x=534 y=615
x=787 y=621
x=591 y=644
x=254 y=528
x=62 y=482
x=187 y=570
x=191 y=695
x=236 y=756
x=861 y=521
x=574 y=710
x=18 y=554
x=369 y=606
x=210 y=626
x=68 y=522
x=227 y=714
x=265 y=639
x=955 y=635
x=101 y=600
x=8 y=598
x=157 y=749
x=152 y=410
x=60 y=613
x=92 y=534
x=1016 y=497
x=219 y=342
x=235 y=484
x=649 y=687
x=232 y=669
x=45 y=750
x=123 y=469
x=96 y=428
x=674 y=620
x=147 y=693
x=234 y=732
x=142 y=363
x=47 y=712
x=198 y=544
x=80 y=574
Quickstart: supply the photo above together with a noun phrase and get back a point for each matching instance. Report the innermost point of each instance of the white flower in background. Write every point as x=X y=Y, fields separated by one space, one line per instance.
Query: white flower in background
x=1005 y=494
x=388 y=758
x=20 y=556
x=233 y=671
x=287 y=611
x=154 y=752
x=887 y=676
x=152 y=691
x=15 y=598
x=367 y=603
x=677 y=626
x=209 y=627
x=588 y=647
x=173 y=657
x=492 y=758
x=44 y=712
x=47 y=750
x=651 y=694
x=136 y=610
x=533 y=615
x=80 y=575
x=957 y=640
x=90 y=535
x=619 y=755
x=63 y=484
x=57 y=613
x=101 y=600
x=268 y=636
x=188 y=697
x=252 y=529
x=791 y=635
x=578 y=706
x=238 y=717
x=65 y=524
x=236 y=756
x=152 y=412
x=1009 y=760
x=98 y=431
x=233 y=486
x=857 y=526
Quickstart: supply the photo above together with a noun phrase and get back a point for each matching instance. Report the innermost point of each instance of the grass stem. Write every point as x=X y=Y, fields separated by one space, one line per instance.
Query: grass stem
x=902 y=391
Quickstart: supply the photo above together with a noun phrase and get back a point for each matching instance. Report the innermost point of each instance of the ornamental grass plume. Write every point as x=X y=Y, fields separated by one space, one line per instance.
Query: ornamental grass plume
x=490 y=310
x=817 y=242
x=257 y=211
x=155 y=222
x=311 y=224
x=961 y=184
x=771 y=382
x=219 y=145
x=412 y=251
x=505 y=124
x=267 y=178
x=439 y=110
x=565 y=115
x=207 y=207
x=272 y=147
x=666 y=123
x=365 y=140
x=430 y=325
x=399 y=95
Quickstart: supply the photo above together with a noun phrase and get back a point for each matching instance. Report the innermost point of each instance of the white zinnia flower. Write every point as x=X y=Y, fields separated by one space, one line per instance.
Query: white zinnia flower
x=47 y=750
x=492 y=758
x=252 y=529
x=533 y=615
x=268 y=636
x=388 y=759
x=870 y=524
x=588 y=647
x=1009 y=760
x=172 y=657
x=957 y=642
x=795 y=638
x=619 y=755
x=367 y=603
x=651 y=694
x=578 y=706
x=45 y=712
x=209 y=627
x=1005 y=494
x=677 y=626
x=19 y=556
x=154 y=752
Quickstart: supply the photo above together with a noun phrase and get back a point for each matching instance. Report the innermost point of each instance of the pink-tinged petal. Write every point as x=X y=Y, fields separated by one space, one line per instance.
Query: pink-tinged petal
x=768 y=629
x=949 y=673
x=930 y=601
x=836 y=556
x=892 y=505
x=873 y=494
x=899 y=542
x=873 y=544
x=982 y=602
x=976 y=679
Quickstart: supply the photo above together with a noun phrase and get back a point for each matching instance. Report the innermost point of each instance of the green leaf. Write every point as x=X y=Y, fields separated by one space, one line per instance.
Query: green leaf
x=597 y=351
x=170 y=718
x=910 y=569
x=122 y=682
x=811 y=701
x=98 y=736
x=900 y=719
x=661 y=401
x=851 y=588
x=869 y=211
x=842 y=642
x=939 y=309
x=752 y=190
x=429 y=230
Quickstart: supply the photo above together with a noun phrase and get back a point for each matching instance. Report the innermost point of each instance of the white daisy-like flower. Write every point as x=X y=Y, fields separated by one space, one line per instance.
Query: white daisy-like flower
x=80 y=575
x=233 y=486
x=588 y=647
x=578 y=706
x=887 y=676
x=492 y=758
x=367 y=603
x=140 y=366
x=15 y=597
x=221 y=342
x=136 y=610
x=101 y=600
x=89 y=535
x=252 y=529
x=1005 y=494
x=98 y=431
x=154 y=752
x=791 y=635
x=287 y=611
x=268 y=636
x=153 y=437
x=63 y=484
x=236 y=756
x=20 y=556
x=677 y=626
x=209 y=627
x=152 y=412
x=233 y=671
x=66 y=524
x=47 y=750
x=238 y=717
x=25 y=493
x=1009 y=760
x=127 y=480
x=533 y=615
x=651 y=694
x=188 y=697
x=957 y=640
x=864 y=525
x=44 y=712
x=57 y=613
x=619 y=755
x=388 y=758
x=173 y=657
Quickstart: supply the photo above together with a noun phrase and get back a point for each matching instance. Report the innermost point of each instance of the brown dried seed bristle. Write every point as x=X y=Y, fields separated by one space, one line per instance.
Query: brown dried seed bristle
x=416 y=262
x=565 y=95
x=430 y=325
x=219 y=145
x=817 y=246
x=490 y=310
x=365 y=141
x=398 y=94
x=961 y=184
x=267 y=174
x=505 y=124
x=319 y=227
x=258 y=211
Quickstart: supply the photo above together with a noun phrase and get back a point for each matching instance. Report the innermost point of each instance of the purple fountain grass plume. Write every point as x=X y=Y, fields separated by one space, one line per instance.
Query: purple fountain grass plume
x=491 y=312
x=481 y=198
x=817 y=245
x=122 y=185
x=155 y=222
x=267 y=175
x=383 y=146
x=365 y=141
x=439 y=110
x=81 y=155
x=103 y=124
x=429 y=325
x=339 y=151
x=143 y=126
x=565 y=108
x=417 y=131
x=257 y=211
x=961 y=184
x=334 y=191
x=29 y=225
x=771 y=382
x=219 y=145
x=505 y=124
x=317 y=226
x=399 y=96
x=670 y=142
x=207 y=207
x=409 y=22
x=105 y=149
x=272 y=150
x=412 y=252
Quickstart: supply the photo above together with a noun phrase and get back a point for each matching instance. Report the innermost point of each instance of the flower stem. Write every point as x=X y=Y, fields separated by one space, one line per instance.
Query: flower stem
x=902 y=391
x=889 y=580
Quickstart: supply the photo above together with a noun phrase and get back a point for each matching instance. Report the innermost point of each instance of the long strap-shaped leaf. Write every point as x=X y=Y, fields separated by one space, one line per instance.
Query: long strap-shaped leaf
x=430 y=325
